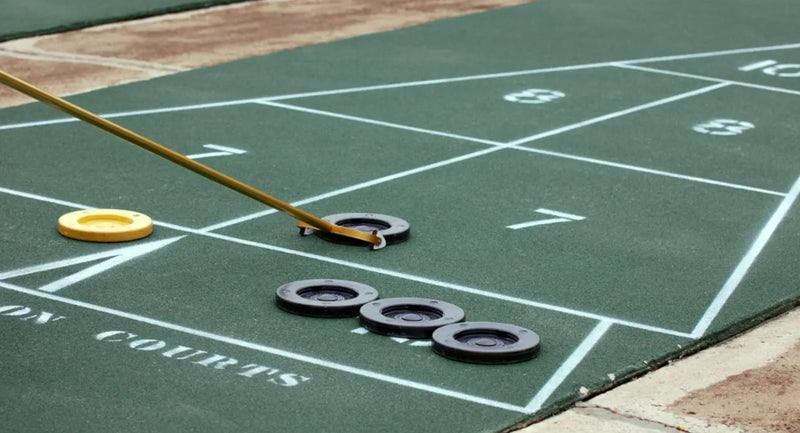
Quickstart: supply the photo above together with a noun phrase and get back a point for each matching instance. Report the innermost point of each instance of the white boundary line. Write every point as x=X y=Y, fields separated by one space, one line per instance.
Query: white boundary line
x=267 y=349
x=352 y=188
x=451 y=286
x=44 y=199
x=228 y=149
x=417 y=83
x=133 y=113
x=239 y=220
x=615 y=114
x=716 y=53
x=376 y=270
x=479 y=153
x=439 y=81
x=113 y=258
x=529 y=224
x=706 y=78
x=649 y=171
x=554 y=213
x=532 y=71
x=744 y=265
x=568 y=366
x=82 y=206
x=378 y=122
x=608 y=116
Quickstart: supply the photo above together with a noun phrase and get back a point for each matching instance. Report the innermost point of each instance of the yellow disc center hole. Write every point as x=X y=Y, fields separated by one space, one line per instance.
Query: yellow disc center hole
x=105 y=221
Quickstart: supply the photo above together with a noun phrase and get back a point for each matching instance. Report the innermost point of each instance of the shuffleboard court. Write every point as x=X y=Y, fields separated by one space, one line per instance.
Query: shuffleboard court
x=627 y=196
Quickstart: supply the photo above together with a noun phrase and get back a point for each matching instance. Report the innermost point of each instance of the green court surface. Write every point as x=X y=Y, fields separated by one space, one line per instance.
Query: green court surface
x=619 y=177
x=35 y=17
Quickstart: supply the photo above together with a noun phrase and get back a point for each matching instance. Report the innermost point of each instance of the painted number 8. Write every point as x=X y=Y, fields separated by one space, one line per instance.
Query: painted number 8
x=534 y=96
x=723 y=127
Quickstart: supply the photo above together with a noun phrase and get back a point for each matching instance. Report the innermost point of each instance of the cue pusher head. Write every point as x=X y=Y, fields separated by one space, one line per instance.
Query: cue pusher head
x=355 y=232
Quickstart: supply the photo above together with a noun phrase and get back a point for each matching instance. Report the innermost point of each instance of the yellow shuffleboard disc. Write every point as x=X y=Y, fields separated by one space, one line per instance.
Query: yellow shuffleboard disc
x=105 y=225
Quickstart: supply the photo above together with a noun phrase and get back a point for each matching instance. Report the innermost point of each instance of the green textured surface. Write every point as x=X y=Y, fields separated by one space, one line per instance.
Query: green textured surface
x=35 y=17
x=670 y=215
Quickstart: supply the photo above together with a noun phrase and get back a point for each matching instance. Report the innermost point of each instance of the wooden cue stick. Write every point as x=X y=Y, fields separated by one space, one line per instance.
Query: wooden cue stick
x=182 y=160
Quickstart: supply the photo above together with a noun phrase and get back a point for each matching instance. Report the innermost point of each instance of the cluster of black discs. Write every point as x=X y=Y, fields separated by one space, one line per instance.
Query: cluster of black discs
x=476 y=342
x=453 y=338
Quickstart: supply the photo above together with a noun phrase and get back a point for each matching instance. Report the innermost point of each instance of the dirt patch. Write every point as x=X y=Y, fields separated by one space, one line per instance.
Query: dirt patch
x=63 y=78
x=762 y=400
x=117 y=53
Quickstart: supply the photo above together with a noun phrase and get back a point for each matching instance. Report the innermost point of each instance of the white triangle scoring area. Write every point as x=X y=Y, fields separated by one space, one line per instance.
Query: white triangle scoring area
x=115 y=257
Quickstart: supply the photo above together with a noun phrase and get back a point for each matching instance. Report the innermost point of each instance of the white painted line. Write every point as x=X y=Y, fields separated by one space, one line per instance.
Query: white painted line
x=415 y=83
x=757 y=65
x=359 y=331
x=239 y=220
x=270 y=350
x=44 y=199
x=116 y=257
x=438 y=81
x=396 y=176
x=123 y=255
x=422 y=343
x=446 y=285
x=706 y=78
x=497 y=146
x=232 y=150
x=716 y=53
x=532 y=71
x=568 y=366
x=615 y=114
x=267 y=99
x=205 y=232
x=222 y=151
x=133 y=113
x=355 y=187
x=56 y=265
x=81 y=206
x=560 y=214
x=538 y=223
x=744 y=265
x=378 y=122
x=38 y=123
x=648 y=170
x=391 y=273
x=208 y=155
x=399 y=175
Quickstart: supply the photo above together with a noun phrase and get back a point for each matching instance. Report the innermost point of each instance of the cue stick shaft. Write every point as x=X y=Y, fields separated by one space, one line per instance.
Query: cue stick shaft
x=181 y=160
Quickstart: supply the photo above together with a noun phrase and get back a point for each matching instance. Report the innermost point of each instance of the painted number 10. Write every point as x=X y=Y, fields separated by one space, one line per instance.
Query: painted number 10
x=771 y=67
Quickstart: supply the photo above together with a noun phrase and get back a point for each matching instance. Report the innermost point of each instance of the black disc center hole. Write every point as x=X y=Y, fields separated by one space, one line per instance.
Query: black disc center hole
x=364 y=224
x=327 y=293
x=486 y=338
x=412 y=313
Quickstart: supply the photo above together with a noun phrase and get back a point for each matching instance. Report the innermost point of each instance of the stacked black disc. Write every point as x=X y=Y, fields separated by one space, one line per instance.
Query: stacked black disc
x=394 y=230
x=475 y=342
x=408 y=317
x=324 y=298
x=486 y=343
